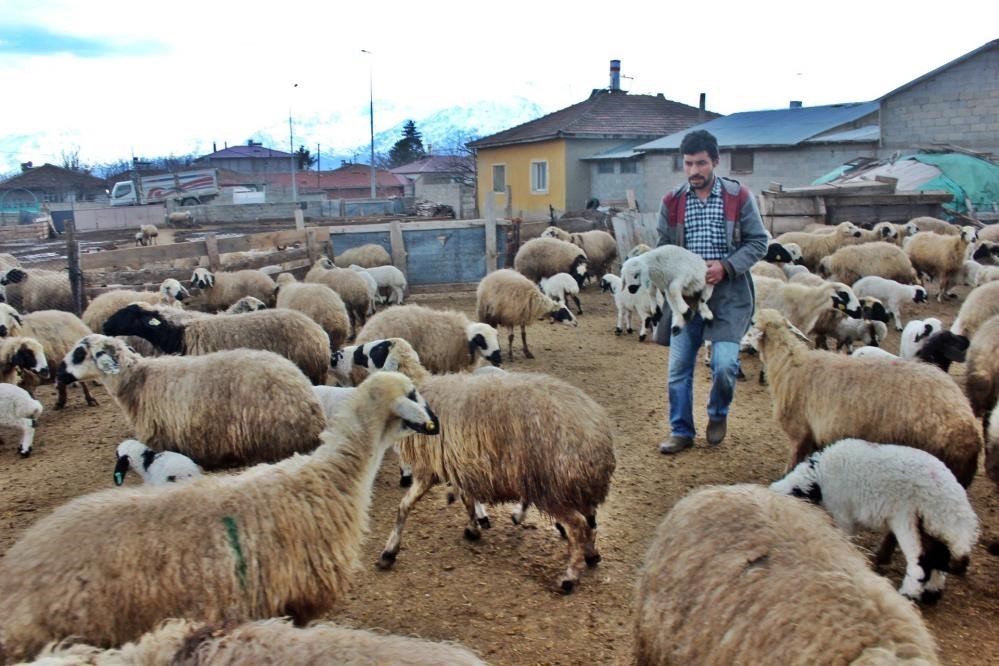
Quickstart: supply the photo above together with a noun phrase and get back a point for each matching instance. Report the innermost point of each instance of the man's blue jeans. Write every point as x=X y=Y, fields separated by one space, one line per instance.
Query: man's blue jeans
x=682 y=358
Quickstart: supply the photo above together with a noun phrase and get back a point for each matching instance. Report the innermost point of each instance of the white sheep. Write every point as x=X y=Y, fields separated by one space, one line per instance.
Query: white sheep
x=31 y=289
x=275 y=540
x=155 y=467
x=371 y=284
x=846 y=330
x=732 y=569
x=915 y=334
x=886 y=487
x=981 y=380
x=803 y=304
x=790 y=270
x=149 y=234
x=390 y=281
x=849 y=264
x=368 y=256
x=891 y=293
x=815 y=246
x=544 y=257
x=678 y=273
x=643 y=305
x=222 y=289
x=19 y=410
x=182 y=218
x=246 y=304
x=352 y=288
x=507 y=298
x=868 y=351
x=560 y=287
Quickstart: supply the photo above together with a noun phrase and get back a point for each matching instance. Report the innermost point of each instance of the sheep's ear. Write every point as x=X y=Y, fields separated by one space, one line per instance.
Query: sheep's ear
x=379 y=354
x=107 y=362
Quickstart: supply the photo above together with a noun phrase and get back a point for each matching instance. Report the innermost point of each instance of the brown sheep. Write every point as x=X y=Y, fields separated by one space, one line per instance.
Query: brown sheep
x=981 y=304
x=981 y=378
x=349 y=285
x=222 y=289
x=935 y=256
x=544 y=257
x=319 y=302
x=366 y=256
x=849 y=264
x=732 y=568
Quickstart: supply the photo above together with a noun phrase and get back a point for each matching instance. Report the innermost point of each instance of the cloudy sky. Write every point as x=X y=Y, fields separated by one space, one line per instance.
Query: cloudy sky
x=111 y=78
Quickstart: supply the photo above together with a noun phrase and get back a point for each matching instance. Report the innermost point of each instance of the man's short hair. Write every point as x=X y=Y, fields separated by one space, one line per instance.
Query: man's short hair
x=697 y=141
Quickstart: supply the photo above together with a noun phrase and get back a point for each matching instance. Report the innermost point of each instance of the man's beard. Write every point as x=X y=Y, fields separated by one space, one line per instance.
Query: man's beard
x=699 y=182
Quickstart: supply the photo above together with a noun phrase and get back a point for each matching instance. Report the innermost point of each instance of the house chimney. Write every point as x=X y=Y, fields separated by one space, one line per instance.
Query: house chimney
x=615 y=75
x=701 y=108
x=795 y=104
x=214 y=149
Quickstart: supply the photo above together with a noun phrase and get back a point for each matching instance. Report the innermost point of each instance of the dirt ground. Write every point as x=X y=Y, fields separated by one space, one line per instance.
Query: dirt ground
x=498 y=595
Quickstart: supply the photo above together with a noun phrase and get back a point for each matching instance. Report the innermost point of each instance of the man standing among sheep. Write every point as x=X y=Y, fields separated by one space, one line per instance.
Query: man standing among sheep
x=717 y=219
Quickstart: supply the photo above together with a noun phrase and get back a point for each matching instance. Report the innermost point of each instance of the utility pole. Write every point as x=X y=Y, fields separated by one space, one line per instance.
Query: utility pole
x=291 y=140
x=371 y=116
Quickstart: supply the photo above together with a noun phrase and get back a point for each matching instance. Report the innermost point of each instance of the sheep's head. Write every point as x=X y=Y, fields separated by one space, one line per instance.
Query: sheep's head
x=802 y=481
x=873 y=309
x=149 y=322
x=562 y=315
x=634 y=275
x=777 y=253
x=555 y=232
x=408 y=410
x=844 y=300
x=13 y=276
x=483 y=340
x=131 y=453
x=910 y=228
x=174 y=289
x=969 y=234
x=92 y=357
x=579 y=269
x=202 y=278
x=28 y=354
x=246 y=304
x=919 y=295
x=886 y=230
x=10 y=321
x=606 y=283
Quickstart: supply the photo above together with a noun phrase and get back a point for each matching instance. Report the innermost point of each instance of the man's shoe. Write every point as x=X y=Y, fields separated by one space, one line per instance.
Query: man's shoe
x=675 y=444
x=716 y=432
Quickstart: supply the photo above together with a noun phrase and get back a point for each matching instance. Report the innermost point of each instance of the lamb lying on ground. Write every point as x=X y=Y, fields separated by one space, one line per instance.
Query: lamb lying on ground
x=885 y=487
x=155 y=467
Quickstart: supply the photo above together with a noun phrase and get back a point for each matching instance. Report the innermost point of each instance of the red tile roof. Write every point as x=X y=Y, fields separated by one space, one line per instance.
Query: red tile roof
x=347 y=176
x=50 y=176
x=605 y=114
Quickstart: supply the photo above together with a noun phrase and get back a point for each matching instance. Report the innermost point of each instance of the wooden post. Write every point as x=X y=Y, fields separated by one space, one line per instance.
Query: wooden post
x=398 y=245
x=212 y=247
x=313 y=246
x=299 y=219
x=75 y=274
x=490 y=245
x=509 y=202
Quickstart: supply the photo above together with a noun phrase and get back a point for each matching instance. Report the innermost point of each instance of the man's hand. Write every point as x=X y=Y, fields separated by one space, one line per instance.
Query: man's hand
x=716 y=272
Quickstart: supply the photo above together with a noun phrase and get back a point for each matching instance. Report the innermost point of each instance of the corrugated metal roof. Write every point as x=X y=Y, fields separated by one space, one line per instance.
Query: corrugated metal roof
x=622 y=151
x=866 y=133
x=777 y=127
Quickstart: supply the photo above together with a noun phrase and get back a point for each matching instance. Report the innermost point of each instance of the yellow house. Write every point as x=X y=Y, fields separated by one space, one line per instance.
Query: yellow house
x=529 y=170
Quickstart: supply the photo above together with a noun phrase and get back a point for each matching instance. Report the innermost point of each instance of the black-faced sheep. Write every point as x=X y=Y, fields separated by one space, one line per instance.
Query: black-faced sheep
x=915 y=334
x=201 y=405
x=272 y=641
x=885 y=487
x=274 y=540
x=507 y=298
x=19 y=355
x=643 y=305
x=943 y=348
x=155 y=467
x=815 y=400
x=319 y=302
x=543 y=257
x=446 y=340
x=891 y=293
x=33 y=289
x=731 y=568
x=20 y=411
x=57 y=331
x=366 y=256
x=846 y=330
x=849 y=264
x=286 y=332
x=220 y=290
x=981 y=304
x=524 y=437
x=678 y=273
x=560 y=287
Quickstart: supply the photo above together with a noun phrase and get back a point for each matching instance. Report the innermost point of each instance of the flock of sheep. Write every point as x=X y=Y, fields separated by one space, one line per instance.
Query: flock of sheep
x=131 y=578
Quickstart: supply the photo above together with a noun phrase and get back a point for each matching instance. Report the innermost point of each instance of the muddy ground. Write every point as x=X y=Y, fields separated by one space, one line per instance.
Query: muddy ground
x=498 y=596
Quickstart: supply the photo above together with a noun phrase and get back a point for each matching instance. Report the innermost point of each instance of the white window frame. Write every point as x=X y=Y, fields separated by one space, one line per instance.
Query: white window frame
x=502 y=188
x=535 y=185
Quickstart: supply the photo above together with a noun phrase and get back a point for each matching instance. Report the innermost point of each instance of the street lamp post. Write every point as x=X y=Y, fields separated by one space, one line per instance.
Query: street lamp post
x=291 y=141
x=371 y=117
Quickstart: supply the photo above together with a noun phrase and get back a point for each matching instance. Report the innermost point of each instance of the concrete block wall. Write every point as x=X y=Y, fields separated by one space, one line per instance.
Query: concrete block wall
x=613 y=186
x=960 y=105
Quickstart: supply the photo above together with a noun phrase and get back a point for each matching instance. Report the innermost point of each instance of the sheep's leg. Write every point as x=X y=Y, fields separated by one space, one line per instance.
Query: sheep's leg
x=579 y=306
x=412 y=496
x=86 y=395
x=642 y=330
x=519 y=512
x=681 y=313
x=897 y=316
x=61 y=392
x=576 y=533
x=473 y=508
x=482 y=516
x=510 y=339
x=590 y=554
x=935 y=561
x=397 y=294
x=885 y=551
x=702 y=303
x=620 y=321
x=523 y=337
x=907 y=534
x=27 y=437
x=405 y=475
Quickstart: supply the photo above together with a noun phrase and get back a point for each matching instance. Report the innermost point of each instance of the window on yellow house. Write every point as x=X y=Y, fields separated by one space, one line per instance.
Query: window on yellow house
x=499 y=178
x=539 y=176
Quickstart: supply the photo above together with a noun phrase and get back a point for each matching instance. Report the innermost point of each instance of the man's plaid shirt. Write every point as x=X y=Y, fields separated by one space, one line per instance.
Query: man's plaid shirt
x=704 y=224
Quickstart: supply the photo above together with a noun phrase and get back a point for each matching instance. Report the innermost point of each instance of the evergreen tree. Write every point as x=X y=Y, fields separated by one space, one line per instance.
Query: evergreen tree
x=409 y=148
x=304 y=159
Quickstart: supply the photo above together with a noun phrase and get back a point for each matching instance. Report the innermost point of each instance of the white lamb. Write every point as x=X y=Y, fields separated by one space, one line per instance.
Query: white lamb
x=389 y=279
x=642 y=305
x=675 y=271
x=915 y=334
x=155 y=467
x=898 y=488
x=560 y=287
x=891 y=293
x=19 y=410
x=867 y=351
x=331 y=396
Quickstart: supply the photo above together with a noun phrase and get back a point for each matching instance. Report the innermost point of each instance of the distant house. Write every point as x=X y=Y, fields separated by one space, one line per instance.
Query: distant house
x=791 y=146
x=446 y=179
x=50 y=184
x=350 y=181
x=251 y=158
x=541 y=163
